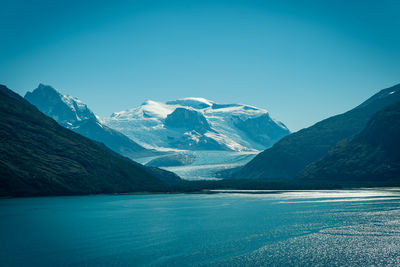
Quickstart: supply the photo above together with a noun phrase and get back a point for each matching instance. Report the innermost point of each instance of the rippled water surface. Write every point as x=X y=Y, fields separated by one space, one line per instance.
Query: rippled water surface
x=303 y=228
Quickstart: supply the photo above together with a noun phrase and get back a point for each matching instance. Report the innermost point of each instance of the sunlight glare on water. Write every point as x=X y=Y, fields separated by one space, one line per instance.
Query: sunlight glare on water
x=308 y=228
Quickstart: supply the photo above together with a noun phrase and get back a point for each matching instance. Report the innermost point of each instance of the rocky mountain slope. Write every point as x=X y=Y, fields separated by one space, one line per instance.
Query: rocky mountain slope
x=372 y=156
x=71 y=113
x=294 y=152
x=40 y=157
x=199 y=124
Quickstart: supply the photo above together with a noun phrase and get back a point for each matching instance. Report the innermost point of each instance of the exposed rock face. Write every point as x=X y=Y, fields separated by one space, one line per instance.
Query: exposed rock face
x=187 y=119
x=261 y=129
x=76 y=116
x=199 y=124
x=66 y=110
x=40 y=157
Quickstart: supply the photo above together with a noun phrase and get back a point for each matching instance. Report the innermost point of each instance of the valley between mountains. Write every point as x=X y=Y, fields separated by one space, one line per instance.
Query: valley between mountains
x=54 y=144
x=193 y=137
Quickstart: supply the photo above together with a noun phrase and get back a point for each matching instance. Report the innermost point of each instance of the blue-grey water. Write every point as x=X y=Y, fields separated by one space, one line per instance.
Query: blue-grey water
x=318 y=228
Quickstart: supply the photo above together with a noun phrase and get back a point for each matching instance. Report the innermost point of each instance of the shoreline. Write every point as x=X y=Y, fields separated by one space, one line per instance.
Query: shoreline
x=215 y=191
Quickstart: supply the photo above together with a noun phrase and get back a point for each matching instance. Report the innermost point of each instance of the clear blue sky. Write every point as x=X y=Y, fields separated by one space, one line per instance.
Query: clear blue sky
x=301 y=60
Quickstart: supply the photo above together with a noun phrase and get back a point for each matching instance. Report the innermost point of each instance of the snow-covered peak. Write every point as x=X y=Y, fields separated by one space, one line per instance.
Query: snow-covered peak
x=160 y=110
x=149 y=109
x=73 y=114
x=63 y=108
x=242 y=111
x=193 y=102
x=229 y=126
x=156 y=109
x=81 y=110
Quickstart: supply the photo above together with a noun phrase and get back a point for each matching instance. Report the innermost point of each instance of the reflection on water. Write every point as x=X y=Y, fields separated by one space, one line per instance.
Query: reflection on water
x=311 y=228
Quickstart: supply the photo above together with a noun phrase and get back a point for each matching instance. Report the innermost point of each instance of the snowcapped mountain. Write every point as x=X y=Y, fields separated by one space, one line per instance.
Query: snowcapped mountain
x=198 y=124
x=76 y=116
x=66 y=110
x=202 y=136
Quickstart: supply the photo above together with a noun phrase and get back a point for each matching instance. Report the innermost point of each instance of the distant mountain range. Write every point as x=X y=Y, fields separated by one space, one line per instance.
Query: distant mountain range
x=154 y=129
x=199 y=124
x=40 y=157
x=372 y=156
x=76 y=116
x=171 y=134
x=293 y=153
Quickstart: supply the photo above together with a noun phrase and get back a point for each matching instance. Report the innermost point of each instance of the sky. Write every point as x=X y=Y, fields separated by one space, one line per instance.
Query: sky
x=303 y=61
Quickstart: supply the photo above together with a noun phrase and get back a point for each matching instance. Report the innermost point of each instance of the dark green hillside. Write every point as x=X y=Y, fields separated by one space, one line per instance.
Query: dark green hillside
x=373 y=156
x=294 y=152
x=40 y=157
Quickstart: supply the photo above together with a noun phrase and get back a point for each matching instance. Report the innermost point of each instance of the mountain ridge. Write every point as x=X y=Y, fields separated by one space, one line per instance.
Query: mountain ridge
x=38 y=156
x=372 y=156
x=73 y=114
x=294 y=152
x=205 y=125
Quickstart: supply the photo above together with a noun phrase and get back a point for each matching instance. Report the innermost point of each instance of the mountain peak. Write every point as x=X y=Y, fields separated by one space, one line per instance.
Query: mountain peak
x=194 y=102
x=62 y=108
x=218 y=126
x=42 y=158
x=71 y=113
x=295 y=152
x=42 y=85
x=189 y=119
x=45 y=90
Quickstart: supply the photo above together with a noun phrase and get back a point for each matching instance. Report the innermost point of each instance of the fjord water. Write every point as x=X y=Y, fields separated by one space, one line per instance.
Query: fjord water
x=311 y=228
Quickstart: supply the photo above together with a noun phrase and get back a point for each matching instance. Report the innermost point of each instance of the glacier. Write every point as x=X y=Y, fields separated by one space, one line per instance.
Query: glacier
x=207 y=164
x=213 y=136
x=193 y=137
x=198 y=124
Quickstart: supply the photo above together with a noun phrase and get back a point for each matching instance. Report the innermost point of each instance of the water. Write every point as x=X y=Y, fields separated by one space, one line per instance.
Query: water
x=317 y=228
